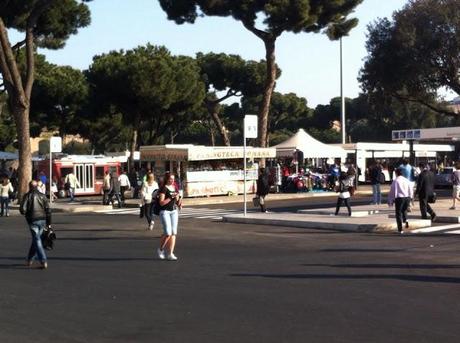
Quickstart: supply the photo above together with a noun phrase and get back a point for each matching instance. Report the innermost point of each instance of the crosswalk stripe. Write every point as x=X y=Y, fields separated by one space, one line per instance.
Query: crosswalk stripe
x=198 y=213
x=437 y=228
x=457 y=232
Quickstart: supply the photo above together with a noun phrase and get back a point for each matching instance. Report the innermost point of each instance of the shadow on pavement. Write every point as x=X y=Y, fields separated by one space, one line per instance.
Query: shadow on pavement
x=396 y=266
x=402 y=277
x=63 y=258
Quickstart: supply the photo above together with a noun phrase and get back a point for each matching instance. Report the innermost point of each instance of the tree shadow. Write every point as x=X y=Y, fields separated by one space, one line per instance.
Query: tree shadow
x=385 y=265
x=401 y=277
x=107 y=238
x=83 y=258
x=361 y=250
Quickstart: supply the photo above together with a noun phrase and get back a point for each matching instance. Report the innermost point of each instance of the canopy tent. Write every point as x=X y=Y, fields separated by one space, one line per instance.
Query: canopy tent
x=8 y=156
x=311 y=147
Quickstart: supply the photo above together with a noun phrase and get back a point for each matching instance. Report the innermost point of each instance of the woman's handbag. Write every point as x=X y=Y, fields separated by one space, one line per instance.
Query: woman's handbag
x=432 y=198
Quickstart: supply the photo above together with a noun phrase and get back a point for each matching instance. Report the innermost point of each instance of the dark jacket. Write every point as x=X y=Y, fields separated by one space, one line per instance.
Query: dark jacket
x=114 y=185
x=425 y=184
x=263 y=186
x=376 y=175
x=35 y=206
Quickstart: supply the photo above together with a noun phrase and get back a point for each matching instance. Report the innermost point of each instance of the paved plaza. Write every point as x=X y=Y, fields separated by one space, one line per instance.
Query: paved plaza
x=232 y=283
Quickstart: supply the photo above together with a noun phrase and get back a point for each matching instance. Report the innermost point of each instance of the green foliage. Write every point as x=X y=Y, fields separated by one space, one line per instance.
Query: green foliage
x=231 y=73
x=7 y=127
x=77 y=148
x=58 y=96
x=278 y=16
x=152 y=89
x=414 y=55
x=59 y=20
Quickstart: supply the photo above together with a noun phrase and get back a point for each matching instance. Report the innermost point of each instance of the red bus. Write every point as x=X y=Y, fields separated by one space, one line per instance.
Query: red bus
x=89 y=170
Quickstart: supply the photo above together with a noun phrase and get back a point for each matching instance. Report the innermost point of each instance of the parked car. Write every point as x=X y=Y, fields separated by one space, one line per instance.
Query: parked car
x=444 y=178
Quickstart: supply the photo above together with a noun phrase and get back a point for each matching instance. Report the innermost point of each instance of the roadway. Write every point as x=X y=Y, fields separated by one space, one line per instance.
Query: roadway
x=232 y=283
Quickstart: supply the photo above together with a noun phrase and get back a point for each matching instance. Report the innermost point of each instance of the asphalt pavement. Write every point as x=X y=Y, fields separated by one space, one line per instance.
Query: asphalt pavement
x=232 y=283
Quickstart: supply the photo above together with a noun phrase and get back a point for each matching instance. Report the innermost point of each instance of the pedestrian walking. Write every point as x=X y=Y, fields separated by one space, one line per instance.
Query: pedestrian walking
x=115 y=190
x=170 y=202
x=106 y=188
x=124 y=185
x=148 y=193
x=425 y=192
x=455 y=185
x=71 y=182
x=377 y=177
x=400 y=195
x=35 y=207
x=263 y=188
x=344 y=193
x=408 y=172
x=6 y=188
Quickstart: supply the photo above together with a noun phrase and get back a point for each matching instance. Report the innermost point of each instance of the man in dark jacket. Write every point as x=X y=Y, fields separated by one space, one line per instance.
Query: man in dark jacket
x=35 y=207
x=376 y=176
x=115 y=190
x=263 y=187
x=425 y=191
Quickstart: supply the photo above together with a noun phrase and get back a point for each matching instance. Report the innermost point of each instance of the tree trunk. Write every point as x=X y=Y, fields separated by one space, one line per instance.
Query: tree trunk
x=133 y=147
x=21 y=117
x=268 y=90
x=213 y=110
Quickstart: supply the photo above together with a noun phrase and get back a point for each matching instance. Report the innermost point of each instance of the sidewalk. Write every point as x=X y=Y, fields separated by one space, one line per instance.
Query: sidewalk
x=93 y=204
x=367 y=218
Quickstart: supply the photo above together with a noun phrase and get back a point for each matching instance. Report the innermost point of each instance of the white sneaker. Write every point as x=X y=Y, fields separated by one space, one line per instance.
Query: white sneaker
x=151 y=226
x=161 y=254
x=172 y=257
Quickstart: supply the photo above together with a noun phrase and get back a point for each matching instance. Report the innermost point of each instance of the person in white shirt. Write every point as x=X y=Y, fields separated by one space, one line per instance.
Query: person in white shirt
x=106 y=188
x=455 y=185
x=400 y=195
x=71 y=183
x=147 y=193
x=124 y=184
x=5 y=189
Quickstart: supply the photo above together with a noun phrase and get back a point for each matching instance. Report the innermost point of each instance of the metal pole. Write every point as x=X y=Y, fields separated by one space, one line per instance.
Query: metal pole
x=342 y=97
x=244 y=171
x=51 y=175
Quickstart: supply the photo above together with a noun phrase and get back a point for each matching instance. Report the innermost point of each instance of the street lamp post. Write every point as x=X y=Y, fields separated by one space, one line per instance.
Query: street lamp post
x=342 y=109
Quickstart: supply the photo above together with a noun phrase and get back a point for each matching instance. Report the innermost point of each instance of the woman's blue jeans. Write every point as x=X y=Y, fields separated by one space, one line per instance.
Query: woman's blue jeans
x=5 y=202
x=36 y=250
x=376 y=194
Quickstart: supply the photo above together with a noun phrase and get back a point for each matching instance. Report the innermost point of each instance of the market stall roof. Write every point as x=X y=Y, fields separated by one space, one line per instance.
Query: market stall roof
x=311 y=147
x=189 y=152
x=8 y=156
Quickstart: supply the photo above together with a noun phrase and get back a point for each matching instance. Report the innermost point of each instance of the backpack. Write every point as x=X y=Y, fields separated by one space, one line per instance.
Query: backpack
x=156 y=208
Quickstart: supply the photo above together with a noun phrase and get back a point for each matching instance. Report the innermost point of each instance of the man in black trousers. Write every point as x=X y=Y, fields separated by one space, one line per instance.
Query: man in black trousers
x=425 y=191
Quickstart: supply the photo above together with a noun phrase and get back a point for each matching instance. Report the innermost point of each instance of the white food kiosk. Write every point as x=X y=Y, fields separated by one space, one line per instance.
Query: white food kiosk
x=204 y=170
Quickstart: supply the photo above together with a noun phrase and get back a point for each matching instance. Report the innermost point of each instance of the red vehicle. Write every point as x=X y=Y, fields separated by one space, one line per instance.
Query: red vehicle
x=89 y=170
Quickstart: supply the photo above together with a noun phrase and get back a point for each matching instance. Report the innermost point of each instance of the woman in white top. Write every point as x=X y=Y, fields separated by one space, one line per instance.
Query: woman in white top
x=147 y=194
x=5 y=189
x=344 y=193
x=455 y=185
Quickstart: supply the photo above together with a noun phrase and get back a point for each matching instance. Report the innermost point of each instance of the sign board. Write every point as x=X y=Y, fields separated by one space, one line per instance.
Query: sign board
x=250 y=126
x=56 y=144
x=401 y=135
x=441 y=133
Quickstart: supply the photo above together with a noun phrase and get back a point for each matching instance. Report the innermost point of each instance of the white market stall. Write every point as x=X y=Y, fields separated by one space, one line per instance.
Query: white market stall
x=206 y=171
x=311 y=147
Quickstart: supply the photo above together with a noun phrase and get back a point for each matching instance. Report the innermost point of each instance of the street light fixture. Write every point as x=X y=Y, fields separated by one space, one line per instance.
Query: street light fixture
x=342 y=108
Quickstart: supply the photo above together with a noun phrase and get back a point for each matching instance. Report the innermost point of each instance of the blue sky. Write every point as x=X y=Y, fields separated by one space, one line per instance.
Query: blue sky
x=309 y=62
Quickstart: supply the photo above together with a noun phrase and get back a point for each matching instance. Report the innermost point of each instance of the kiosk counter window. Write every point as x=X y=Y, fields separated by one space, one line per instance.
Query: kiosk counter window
x=207 y=171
